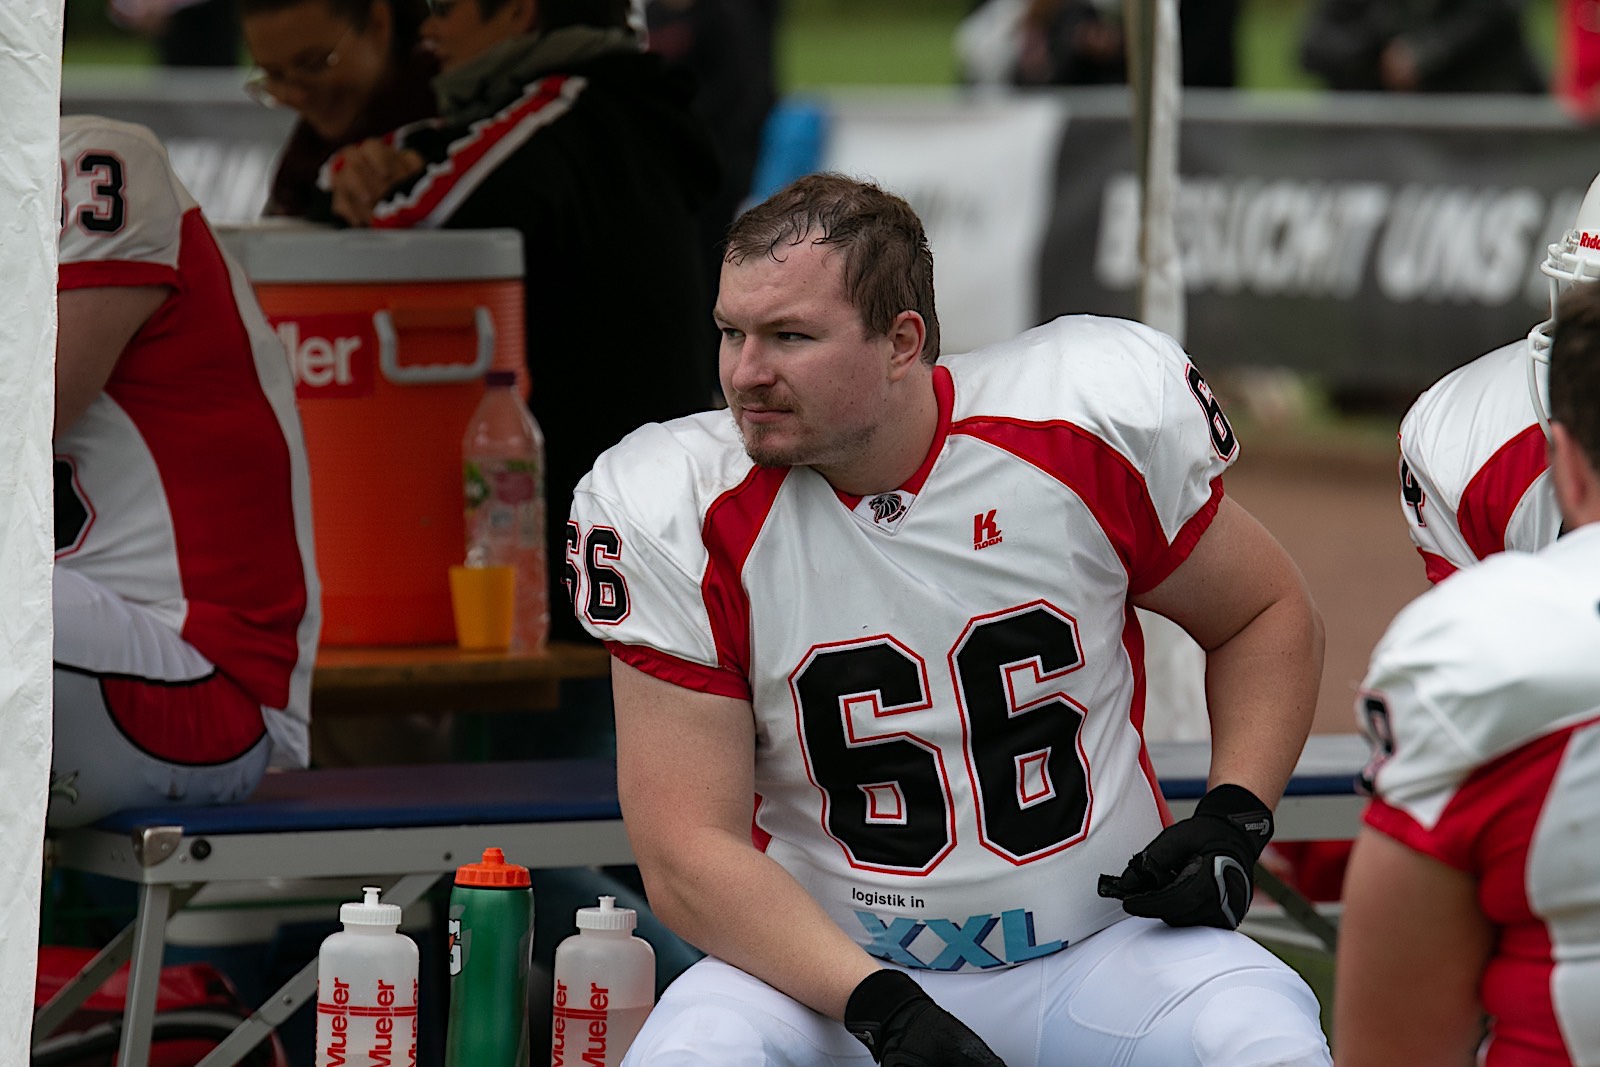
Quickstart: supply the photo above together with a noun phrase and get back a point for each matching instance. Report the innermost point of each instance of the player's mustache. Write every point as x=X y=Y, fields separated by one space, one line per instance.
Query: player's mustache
x=762 y=398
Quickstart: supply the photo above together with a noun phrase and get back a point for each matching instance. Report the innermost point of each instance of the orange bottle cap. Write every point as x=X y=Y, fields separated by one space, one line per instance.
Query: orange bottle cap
x=493 y=872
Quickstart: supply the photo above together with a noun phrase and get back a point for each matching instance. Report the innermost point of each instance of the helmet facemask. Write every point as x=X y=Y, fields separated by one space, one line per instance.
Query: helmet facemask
x=1573 y=260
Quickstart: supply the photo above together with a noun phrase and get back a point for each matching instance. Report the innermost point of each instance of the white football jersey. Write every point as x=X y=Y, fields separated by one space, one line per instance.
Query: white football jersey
x=947 y=678
x=1472 y=466
x=183 y=487
x=1483 y=704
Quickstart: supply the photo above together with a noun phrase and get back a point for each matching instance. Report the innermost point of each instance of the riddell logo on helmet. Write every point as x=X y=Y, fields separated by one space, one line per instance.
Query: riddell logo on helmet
x=330 y=354
x=1588 y=240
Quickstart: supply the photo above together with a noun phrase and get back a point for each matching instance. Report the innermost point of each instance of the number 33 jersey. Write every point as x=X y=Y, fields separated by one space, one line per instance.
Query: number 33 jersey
x=947 y=677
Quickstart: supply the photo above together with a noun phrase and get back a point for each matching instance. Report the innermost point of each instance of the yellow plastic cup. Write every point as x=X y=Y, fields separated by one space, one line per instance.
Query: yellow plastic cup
x=483 y=600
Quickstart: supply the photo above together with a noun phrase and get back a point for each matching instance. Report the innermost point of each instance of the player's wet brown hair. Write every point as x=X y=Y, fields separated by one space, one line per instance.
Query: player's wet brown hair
x=1575 y=368
x=888 y=266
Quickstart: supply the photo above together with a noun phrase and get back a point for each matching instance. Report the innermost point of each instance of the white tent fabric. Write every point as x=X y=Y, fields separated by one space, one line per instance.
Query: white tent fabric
x=30 y=85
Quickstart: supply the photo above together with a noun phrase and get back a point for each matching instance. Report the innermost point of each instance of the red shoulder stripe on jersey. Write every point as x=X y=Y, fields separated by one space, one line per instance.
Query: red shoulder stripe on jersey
x=472 y=157
x=245 y=619
x=681 y=672
x=944 y=393
x=758 y=837
x=1133 y=647
x=1108 y=483
x=732 y=522
x=1398 y=824
x=1183 y=544
x=1438 y=567
x=1493 y=493
x=110 y=273
x=1487 y=829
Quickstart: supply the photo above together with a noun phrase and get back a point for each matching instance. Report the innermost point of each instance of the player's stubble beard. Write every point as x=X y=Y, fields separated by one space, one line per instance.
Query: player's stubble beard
x=843 y=447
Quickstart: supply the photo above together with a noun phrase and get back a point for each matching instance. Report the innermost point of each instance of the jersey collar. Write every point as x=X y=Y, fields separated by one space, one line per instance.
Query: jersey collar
x=944 y=393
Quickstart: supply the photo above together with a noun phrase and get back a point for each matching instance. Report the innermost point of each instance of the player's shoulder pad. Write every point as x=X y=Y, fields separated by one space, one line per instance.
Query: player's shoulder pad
x=664 y=472
x=1092 y=370
x=1490 y=658
x=129 y=140
x=1464 y=417
x=103 y=159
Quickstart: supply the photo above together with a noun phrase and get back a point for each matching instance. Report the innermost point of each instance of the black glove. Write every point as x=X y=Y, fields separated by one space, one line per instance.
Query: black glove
x=902 y=1026
x=1199 y=871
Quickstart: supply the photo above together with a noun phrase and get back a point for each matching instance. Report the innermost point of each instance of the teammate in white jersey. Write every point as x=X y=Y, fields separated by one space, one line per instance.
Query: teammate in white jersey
x=1473 y=472
x=879 y=679
x=1473 y=896
x=185 y=596
x=1473 y=477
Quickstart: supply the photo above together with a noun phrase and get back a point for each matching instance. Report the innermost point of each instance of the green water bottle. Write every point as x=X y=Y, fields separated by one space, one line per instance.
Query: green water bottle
x=491 y=938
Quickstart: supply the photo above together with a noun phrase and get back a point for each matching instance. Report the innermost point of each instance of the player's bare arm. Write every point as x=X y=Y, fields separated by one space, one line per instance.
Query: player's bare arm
x=685 y=778
x=96 y=325
x=1407 y=990
x=1242 y=598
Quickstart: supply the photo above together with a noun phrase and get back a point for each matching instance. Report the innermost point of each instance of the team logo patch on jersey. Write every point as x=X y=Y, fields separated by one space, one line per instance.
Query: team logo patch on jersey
x=885 y=510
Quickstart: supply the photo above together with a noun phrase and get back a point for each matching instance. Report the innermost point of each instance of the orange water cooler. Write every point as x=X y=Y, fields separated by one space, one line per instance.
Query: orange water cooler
x=390 y=335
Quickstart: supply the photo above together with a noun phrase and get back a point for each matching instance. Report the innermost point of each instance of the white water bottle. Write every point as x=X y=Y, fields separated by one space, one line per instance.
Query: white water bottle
x=605 y=985
x=367 y=988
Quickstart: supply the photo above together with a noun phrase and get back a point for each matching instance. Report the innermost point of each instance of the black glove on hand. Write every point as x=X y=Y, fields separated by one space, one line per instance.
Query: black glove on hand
x=902 y=1026
x=1200 y=871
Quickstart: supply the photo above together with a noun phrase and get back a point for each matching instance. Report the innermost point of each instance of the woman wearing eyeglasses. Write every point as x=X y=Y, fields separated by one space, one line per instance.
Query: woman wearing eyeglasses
x=351 y=69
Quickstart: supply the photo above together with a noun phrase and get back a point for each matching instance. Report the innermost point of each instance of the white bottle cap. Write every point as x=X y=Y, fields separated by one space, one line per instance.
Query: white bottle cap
x=369 y=912
x=607 y=916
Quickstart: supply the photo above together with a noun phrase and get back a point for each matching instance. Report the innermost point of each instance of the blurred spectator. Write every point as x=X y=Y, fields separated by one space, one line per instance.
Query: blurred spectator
x=588 y=146
x=187 y=33
x=1081 y=42
x=727 y=45
x=351 y=69
x=1070 y=42
x=1577 y=79
x=1439 y=47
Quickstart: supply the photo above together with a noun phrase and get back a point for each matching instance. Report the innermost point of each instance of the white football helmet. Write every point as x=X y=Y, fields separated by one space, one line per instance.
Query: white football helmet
x=1573 y=259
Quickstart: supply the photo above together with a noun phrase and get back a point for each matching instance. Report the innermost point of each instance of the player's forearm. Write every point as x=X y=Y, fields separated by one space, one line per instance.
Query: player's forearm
x=721 y=895
x=1261 y=687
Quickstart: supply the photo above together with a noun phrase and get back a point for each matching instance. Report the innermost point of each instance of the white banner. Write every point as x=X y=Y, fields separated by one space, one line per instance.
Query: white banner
x=980 y=170
x=30 y=85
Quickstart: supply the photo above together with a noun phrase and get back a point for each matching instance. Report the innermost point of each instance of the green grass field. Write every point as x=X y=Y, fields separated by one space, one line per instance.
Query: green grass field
x=873 y=42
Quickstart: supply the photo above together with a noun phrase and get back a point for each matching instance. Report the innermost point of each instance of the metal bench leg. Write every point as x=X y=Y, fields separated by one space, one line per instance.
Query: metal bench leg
x=70 y=997
x=297 y=990
x=1298 y=908
x=144 y=978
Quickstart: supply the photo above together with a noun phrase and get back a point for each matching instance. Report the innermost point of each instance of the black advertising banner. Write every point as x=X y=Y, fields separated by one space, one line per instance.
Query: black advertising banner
x=1370 y=240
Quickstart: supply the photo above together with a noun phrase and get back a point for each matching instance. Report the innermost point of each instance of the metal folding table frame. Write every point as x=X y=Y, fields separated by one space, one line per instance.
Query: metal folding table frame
x=405 y=827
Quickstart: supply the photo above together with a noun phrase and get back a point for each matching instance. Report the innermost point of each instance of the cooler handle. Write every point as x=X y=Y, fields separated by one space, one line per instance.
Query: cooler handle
x=432 y=373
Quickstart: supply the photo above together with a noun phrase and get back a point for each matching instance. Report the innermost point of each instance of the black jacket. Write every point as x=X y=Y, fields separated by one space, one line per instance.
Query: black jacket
x=1459 y=45
x=602 y=167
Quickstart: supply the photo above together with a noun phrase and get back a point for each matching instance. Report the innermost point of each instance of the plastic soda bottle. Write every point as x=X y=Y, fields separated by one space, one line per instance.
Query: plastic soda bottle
x=605 y=986
x=367 y=988
x=502 y=461
x=491 y=937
